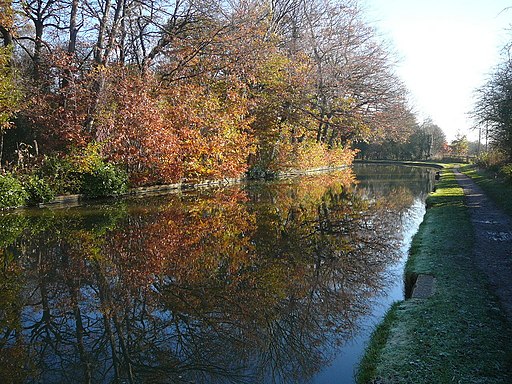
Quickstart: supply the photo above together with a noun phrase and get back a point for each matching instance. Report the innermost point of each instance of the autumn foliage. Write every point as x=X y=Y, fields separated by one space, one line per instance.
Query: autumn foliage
x=205 y=90
x=59 y=113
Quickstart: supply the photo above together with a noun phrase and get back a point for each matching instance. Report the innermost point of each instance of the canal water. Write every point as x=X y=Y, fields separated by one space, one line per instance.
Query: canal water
x=267 y=282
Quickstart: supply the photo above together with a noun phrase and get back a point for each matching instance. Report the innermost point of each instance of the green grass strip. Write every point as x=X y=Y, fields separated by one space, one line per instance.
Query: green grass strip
x=367 y=368
x=460 y=334
x=498 y=189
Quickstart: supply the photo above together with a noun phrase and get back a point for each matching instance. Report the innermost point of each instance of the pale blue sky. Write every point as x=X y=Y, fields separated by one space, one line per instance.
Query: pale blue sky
x=446 y=50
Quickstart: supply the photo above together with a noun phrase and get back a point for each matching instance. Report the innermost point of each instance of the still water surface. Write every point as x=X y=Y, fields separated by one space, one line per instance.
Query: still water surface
x=270 y=282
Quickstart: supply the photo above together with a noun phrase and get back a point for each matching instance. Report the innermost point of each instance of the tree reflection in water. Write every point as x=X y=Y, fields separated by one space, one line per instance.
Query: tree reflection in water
x=250 y=285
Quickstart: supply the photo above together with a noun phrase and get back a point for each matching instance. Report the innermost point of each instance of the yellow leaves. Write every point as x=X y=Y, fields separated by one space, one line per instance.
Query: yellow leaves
x=6 y=14
x=87 y=159
x=306 y=155
x=212 y=126
x=10 y=95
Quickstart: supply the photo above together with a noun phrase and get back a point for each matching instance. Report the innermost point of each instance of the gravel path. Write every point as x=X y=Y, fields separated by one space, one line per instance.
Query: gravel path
x=493 y=240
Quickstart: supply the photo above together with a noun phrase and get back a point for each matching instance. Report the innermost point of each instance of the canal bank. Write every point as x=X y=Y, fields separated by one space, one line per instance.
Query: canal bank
x=163 y=189
x=459 y=333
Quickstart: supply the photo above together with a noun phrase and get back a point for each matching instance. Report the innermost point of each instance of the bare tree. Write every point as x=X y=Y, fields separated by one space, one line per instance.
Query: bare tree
x=493 y=109
x=355 y=83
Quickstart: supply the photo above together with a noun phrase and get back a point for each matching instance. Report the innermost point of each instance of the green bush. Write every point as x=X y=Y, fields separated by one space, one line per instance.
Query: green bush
x=38 y=189
x=12 y=193
x=506 y=171
x=491 y=160
x=104 y=180
x=61 y=174
x=98 y=178
x=84 y=171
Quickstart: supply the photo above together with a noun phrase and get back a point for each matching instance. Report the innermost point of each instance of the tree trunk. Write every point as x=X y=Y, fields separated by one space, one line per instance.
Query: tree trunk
x=38 y=47
x=113 y=31
x=122 y=39
x=73 y=29
x=1 y=148
x=6 y=35
x=100 y=42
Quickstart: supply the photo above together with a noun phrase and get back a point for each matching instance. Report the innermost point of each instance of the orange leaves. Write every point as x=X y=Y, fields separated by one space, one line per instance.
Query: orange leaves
x=214 y=100
x=232 y=97
x=159 y=133
x=170 y=133
x=131 y=125
x=59 y=113
x=212 y=127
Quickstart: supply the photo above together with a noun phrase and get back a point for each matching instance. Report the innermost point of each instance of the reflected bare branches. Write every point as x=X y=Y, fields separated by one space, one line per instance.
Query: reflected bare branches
x=240 y=285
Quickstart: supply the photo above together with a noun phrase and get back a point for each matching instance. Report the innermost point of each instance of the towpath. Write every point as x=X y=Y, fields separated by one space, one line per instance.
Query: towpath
x=493 y=240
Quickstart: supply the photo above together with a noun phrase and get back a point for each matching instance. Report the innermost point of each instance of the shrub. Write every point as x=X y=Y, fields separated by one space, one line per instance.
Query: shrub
x=491 y=160
x=506 y=171
x=84 y=171
x=38 y=190
x=86 y=160
x=62 y=174
x=104 y=180
x=12 y=193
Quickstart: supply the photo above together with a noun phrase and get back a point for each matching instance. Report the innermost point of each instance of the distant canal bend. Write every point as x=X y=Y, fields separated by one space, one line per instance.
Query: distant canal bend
x=274 y=282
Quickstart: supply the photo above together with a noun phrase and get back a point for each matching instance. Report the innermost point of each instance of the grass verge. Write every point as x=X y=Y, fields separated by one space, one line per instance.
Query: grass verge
x=497 y=189
x=459 y=335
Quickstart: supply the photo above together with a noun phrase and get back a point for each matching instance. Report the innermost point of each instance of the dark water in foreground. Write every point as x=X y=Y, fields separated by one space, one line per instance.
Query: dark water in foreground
x=275 y=282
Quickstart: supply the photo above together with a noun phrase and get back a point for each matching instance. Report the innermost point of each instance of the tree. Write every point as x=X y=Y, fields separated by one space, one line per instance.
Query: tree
x=226 y=85
x=10 y=95
x=6 y=22
x=416 y=142
x=493 y=108
x=43 y=14
x=58 y=115
x=9 y=92
x=460 y=146
x=427 y=141
x=356 y=90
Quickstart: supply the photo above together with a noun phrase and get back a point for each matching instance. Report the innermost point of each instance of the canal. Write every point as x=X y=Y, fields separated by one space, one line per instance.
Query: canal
x=264 y=282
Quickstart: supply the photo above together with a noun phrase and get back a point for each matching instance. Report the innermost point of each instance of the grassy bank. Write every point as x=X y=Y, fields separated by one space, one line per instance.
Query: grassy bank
x=458 y=335
x=496 y=188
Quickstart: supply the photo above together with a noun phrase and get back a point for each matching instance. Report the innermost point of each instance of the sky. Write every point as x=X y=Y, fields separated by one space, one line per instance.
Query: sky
x=446 y=49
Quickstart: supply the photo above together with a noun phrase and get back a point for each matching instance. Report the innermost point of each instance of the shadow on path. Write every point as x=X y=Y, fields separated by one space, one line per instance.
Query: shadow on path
x=493 y=240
